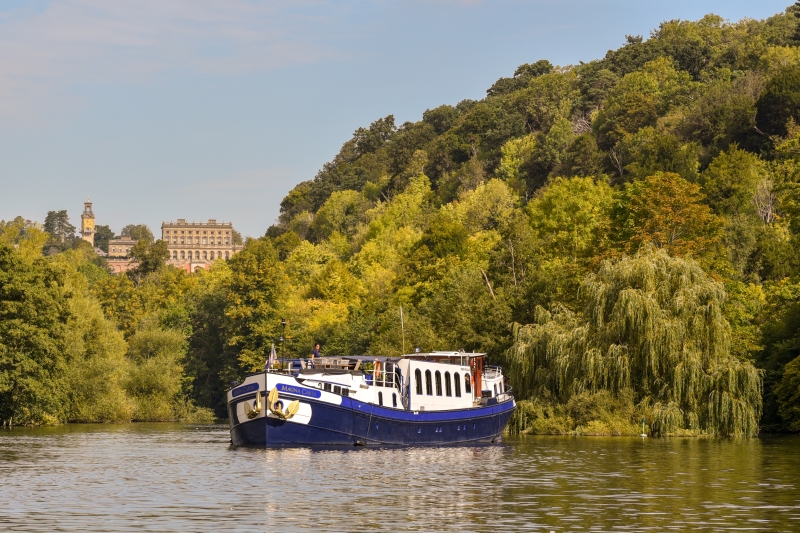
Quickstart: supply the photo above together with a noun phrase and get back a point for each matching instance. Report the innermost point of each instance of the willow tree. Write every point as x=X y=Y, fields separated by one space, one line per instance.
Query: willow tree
x=651 y=324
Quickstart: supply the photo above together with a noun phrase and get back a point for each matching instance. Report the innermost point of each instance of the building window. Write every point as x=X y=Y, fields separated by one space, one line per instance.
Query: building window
x=219 y=255
x=226 y=255
x=197 y=240
x=183 y=254
x=380 y=398
x=183 y=241
x=205 y=255
x=438 y=383
x=467 y=386
x=197 y=255
x=428 y=384
x=175 y=255
x=205 y=240
x=227 y=241
x=448 y=390
x=418 y=379
x=457 y=383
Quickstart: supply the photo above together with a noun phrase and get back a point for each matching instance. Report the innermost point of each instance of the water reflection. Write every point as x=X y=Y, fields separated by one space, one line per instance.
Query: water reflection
x=173 y=477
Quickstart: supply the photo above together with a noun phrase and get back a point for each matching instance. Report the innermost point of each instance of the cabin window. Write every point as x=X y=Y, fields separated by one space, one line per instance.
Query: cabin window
x=448 y=389
x=394 y=400
x=418 y=378
x=380 y=398
x=467 y=386
x=495 y=389
x=428 y=384
x=457 y=384
x=438 y=383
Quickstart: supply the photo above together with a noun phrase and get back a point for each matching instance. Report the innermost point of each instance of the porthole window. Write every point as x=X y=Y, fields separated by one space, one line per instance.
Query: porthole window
x=448 y=389
x=438 y=383
x=457 y=384
x=418 y=379
x=380 y=398
x=467 y=386
x=394 y=400
x=428 y=384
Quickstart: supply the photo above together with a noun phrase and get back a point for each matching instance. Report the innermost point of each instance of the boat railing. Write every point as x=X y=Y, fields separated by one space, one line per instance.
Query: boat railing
x=492 y=372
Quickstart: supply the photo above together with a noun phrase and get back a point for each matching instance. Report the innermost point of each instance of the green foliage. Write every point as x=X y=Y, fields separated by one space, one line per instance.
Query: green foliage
x=138 y=232
x=254 y=302
x=56 y=223
x=665 y=210
x=788 y=395
x=34 y=311
x=102 y=235
x=652 y=324
x=149 y=257
x=780 y=102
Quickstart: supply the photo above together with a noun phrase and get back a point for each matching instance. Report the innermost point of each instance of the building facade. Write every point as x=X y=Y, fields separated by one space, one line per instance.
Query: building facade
x=194 y=245
x=119 y=251
x=87 y=223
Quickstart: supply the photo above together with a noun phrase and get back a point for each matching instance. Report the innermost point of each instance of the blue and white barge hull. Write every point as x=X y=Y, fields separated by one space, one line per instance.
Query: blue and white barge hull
x=424 y=399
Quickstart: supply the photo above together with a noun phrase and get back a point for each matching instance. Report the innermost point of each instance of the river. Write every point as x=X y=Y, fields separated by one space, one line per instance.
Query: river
x=178 y=477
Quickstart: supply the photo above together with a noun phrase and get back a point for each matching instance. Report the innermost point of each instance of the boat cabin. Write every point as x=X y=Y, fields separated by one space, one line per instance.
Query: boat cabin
x=434 y=381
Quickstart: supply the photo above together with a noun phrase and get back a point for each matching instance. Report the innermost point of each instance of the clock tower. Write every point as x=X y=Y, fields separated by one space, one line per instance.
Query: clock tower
x=87 y=222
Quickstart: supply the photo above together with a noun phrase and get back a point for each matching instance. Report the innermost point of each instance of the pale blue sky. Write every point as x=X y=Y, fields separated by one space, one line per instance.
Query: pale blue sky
x=167 y=109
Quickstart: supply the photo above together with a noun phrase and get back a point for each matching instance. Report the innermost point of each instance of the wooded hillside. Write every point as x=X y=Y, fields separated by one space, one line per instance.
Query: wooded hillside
x=621 y=235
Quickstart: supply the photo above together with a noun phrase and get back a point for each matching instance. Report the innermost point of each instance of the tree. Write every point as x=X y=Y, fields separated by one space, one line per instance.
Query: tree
x=148 y=258
x=731 y=181
x=34 y=311
x=651 y=324
x=57 y=225
x=639 y=99
x=138 y=232
x=779 y=102
x=649 y=151
x=666 y=210
x=102 y=234
x=254 y=303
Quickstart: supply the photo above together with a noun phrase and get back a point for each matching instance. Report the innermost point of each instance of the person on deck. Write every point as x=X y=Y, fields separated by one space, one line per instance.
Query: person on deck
x=315 y=353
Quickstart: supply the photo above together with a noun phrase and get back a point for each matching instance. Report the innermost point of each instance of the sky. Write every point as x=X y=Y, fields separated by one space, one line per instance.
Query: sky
x=199 y=109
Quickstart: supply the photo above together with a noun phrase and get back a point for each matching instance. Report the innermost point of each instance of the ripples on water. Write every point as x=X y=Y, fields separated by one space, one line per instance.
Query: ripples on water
x=172 y=477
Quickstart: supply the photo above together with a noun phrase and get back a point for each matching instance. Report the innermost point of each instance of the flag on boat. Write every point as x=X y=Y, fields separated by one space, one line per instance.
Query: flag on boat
x=273 y=357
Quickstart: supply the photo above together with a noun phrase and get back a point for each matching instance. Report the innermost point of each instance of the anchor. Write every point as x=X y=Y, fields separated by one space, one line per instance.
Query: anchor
x=257 y=407
x=272 y=399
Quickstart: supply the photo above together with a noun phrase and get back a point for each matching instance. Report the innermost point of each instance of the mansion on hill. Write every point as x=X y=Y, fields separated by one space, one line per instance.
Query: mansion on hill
x=194 y=245
x=191 y=245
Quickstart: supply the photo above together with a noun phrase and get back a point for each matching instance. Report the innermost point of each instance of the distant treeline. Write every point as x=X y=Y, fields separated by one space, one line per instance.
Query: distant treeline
x=620 y=235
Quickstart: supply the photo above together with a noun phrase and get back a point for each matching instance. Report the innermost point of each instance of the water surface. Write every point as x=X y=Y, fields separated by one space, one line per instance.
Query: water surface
x=177 y=477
